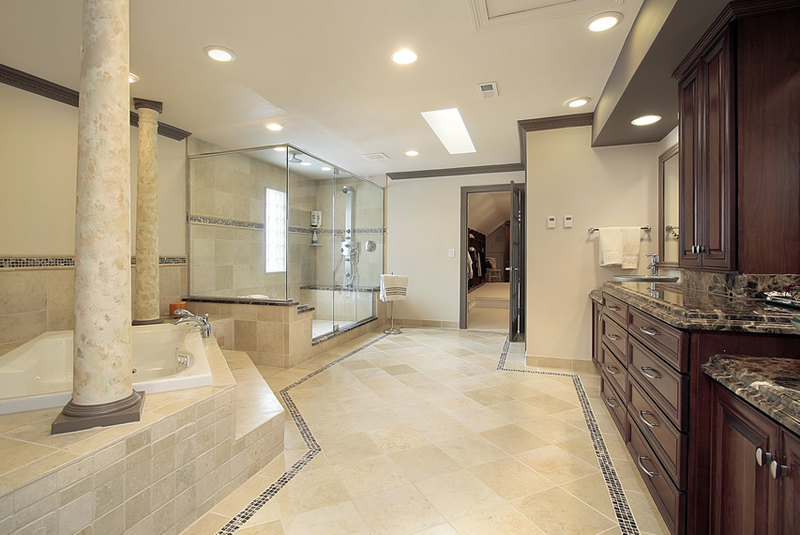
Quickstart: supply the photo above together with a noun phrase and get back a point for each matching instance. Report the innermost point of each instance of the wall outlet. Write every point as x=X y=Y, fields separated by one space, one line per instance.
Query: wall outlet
x=551 y=221
x=451 y=253
x=567 y=221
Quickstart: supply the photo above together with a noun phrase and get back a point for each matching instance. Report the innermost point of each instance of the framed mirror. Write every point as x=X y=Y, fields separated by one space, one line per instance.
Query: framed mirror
x=668 y=217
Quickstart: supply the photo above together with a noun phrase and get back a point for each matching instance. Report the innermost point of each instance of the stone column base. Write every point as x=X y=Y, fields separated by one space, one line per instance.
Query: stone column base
x=76 y=417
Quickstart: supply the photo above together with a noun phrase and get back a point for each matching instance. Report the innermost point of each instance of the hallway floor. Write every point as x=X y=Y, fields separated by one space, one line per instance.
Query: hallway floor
x=439 y=432
x=489 y=307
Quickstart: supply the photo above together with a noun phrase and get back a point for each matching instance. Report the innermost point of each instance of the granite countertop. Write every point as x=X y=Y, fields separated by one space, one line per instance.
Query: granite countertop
x=704 y=311
x=772 y=385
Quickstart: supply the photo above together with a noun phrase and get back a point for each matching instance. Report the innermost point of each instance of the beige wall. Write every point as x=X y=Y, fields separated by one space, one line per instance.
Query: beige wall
x=422 y=223
x=607 y=186
x=38 y=163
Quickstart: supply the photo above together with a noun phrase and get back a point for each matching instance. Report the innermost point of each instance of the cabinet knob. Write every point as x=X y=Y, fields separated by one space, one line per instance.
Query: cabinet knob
x=700 y=248
x=694 y=249
x=778 y=470
x=763 y=457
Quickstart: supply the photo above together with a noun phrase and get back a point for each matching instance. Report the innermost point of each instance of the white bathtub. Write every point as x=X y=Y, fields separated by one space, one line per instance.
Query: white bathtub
x=38 y=374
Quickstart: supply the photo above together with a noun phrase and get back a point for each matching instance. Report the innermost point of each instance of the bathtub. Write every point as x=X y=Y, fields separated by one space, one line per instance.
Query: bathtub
x=38 y=374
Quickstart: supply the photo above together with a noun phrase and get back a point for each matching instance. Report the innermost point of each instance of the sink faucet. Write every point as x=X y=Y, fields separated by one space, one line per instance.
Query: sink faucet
x=654 y=260
x=201 y=321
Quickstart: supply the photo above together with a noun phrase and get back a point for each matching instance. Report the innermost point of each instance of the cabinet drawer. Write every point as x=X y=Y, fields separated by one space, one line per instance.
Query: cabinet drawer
x=614 y=308
x=614 y=370
x=615 y=336
x=670 y=501
x=666 y=341
x=663 y=437
x=664 y=385
x=615 y=404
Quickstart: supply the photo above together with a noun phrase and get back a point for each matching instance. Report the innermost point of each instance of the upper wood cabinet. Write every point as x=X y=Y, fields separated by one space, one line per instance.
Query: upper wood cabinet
x=739 y=158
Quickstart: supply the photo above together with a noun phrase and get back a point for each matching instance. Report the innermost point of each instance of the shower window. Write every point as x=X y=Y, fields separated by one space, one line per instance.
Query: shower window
x=275 y=231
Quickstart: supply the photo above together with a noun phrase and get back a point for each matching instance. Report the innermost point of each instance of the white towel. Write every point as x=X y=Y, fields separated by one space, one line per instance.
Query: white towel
x=393 y=287
x=630 y=247
x=610 y=246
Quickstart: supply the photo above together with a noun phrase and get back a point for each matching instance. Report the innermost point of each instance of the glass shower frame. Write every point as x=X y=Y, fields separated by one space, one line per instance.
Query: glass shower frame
x=333 y=260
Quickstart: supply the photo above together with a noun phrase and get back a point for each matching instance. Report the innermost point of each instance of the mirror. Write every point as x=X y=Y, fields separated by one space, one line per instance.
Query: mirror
x=668 y=222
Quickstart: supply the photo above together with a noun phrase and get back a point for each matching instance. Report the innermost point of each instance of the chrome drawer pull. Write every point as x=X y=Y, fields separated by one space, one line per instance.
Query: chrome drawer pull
x=763 y=457
x=608 y=402
x=655 y=374
x=613 y=337
x=613 y=308
x=645 y=470
x=612 y=372
x=648 y=331
x=642 y=415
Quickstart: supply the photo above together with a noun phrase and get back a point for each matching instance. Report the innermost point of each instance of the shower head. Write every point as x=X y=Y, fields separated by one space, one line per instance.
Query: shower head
x=347 y=189
x=295 y=159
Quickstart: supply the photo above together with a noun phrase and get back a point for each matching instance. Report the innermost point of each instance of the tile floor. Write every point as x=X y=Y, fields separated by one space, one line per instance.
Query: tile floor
x=421 y=433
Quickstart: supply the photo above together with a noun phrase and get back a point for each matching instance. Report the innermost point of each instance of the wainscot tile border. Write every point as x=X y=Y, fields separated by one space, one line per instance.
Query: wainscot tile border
x=48 y=262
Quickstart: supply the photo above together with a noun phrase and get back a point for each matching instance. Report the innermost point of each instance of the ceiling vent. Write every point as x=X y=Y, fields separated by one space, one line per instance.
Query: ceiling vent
x=488 y=89
x=374 y=156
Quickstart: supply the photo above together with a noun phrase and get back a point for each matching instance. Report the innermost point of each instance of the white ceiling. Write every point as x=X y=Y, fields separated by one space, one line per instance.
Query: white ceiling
x=323 y=69
x=487 y=211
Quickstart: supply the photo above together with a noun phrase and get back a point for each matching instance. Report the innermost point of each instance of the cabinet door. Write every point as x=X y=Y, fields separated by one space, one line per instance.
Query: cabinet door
x=691 y=149
x=719 y=186
x=739 y=485
x=597 y=330
x=790 y=485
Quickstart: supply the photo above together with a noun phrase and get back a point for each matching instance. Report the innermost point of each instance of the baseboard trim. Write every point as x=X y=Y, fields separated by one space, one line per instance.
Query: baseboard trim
x=581 y=366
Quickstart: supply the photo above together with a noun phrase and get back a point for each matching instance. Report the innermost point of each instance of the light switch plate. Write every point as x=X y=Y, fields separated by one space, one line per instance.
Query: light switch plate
x=551 y=221
x=567 y=221
x=451 y=253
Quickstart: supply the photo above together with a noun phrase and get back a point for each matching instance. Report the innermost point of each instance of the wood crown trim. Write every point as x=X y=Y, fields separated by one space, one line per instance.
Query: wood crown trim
x=45 y=88
x=558 y=121
x=458 y=171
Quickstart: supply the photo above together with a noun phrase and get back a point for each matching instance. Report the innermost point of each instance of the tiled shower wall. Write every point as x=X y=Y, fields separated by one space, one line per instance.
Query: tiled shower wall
x=35 y=300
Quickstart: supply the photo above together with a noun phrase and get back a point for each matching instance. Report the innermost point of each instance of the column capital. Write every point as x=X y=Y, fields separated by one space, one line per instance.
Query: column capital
x=149 y=104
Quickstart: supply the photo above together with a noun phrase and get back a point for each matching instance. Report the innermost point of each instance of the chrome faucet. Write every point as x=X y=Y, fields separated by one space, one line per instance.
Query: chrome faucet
x=654 y=260
x=200 y=321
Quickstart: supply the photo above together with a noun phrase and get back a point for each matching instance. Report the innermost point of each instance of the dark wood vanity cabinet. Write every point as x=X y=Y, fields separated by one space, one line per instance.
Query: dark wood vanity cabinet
x=755 y=469
x=739 y=163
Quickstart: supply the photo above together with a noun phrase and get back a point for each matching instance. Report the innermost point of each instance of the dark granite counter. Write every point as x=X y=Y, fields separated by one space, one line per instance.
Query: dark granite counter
x=769 y=384
x=704 y=311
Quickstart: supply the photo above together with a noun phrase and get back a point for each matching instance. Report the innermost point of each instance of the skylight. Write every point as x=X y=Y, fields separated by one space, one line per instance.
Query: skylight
x=449 y=127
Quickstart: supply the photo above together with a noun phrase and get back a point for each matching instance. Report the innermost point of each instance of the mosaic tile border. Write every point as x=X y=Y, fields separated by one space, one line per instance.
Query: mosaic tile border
x=328 y=232
x=224 y=222
x=32 y=262
x=627 y=523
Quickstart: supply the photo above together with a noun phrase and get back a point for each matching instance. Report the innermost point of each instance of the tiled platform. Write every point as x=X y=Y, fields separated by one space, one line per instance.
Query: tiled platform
x=439 y=432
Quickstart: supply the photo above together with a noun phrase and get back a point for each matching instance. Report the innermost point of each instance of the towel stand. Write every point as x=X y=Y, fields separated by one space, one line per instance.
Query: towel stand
x=646 y=228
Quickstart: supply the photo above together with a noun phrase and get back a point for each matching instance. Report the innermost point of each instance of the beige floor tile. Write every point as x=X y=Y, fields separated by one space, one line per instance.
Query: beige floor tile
x=242 y=496
x=398 y=511
x=208 y=523
x=311 y=489
x=423 y=462
x=369 y=475
x=471 y=450
x=593 y=491
x=556 y=465
x=553 y=430
x=580 y=448
x=510 y=478
x=270 y=528
x=400 y=437
x=557 y=512
x=502 y=519
x=338 y=519
x=458 y=493
x=488 y=396
x=513 y=439
x=647 y=517
x=551 y=404
x=343 y=448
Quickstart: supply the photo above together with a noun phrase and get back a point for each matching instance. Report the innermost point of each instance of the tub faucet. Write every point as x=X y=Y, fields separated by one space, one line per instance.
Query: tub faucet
x=654 y=260
x=201 y=321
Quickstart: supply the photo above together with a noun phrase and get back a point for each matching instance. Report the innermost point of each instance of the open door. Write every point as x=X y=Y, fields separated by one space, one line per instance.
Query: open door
x=516 y=323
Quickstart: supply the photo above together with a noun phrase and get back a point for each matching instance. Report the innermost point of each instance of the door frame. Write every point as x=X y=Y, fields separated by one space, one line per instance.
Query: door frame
x=464 y=243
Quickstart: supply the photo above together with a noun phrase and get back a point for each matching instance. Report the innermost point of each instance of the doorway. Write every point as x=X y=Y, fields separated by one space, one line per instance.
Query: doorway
x=493 y=250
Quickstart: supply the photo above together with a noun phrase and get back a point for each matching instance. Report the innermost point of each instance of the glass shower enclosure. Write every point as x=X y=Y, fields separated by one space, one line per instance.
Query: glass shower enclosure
x=276 y=223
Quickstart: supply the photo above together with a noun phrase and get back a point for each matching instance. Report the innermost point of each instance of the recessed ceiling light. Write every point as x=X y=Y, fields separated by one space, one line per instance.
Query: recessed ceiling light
x=132 y=78
x=604 y=21
x=449 y=127
x=275 y=127
x=577 y=102
x=645 y=120
x=412 y=153
x=220 y=53
x=326 y=168
x=279 y=149
x=404 y=56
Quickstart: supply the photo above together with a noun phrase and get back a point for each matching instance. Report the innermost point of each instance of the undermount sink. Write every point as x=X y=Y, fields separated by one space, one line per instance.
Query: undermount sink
x=646 y=278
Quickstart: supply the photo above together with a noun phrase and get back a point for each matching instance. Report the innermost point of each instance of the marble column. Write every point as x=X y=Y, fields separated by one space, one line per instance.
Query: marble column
x=145 y=297
x=102 y=392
